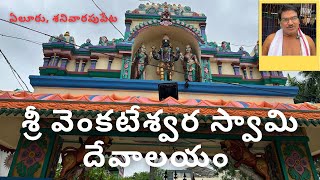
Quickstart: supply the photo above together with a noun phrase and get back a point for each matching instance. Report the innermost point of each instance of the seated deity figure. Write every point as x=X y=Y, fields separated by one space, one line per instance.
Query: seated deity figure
x=103 y=41
x=166 y=57
x=140 y=62
x=190 y=64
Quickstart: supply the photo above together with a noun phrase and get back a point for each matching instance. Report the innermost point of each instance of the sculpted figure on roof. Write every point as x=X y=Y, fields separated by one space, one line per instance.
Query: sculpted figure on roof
x=103 y=41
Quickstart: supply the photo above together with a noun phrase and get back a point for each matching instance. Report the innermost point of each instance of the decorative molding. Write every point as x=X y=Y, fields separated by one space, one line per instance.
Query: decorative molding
x=152 y=85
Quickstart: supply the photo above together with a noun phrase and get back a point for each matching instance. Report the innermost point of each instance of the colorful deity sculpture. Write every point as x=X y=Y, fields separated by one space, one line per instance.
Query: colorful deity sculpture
x=140 y=62
x=165 y=18
x=86 y=44
x=103 y=41
x=238 y=151
x=190 y=64
x=166 y=57
x=72 y=157
x=225 y=47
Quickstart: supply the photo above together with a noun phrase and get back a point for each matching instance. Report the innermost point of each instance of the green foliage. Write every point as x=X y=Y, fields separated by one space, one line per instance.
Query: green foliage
x=309 y=87
x=229 y=172
x=145 y=176
x=103 y=173
x=141 y=175
x=97 y=173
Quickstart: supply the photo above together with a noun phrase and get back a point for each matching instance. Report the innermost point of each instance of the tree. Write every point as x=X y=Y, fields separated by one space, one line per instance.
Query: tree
x=229 y=172
x=309 y=87
x=102 y=173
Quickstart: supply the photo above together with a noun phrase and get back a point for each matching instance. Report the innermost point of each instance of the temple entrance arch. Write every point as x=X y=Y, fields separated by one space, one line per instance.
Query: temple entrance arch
x=153 y=36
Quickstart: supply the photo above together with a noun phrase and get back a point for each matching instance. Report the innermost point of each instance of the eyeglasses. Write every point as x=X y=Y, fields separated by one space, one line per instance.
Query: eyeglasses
x=286 y=20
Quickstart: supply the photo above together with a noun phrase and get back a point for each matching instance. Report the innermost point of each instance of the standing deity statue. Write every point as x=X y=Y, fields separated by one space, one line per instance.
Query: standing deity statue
x=190 y=64
x=140 y=62
x=166 y=57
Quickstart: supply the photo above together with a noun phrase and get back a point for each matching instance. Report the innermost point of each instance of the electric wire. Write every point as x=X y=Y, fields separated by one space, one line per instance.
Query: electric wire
x=109 y=21
x=57 y=38
x=15 y=73
x=235 y=84
x=14 y=37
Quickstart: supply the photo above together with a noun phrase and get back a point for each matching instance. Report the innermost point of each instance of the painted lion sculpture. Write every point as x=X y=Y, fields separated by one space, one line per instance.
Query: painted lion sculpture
x=241 y=154
x=72 y=157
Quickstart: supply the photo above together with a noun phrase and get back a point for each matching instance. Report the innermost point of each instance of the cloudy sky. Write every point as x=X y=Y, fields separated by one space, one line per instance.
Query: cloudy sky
x=230 y=20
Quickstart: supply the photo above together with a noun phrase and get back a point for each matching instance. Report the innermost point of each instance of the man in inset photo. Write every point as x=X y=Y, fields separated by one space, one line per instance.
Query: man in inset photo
x=289 y=40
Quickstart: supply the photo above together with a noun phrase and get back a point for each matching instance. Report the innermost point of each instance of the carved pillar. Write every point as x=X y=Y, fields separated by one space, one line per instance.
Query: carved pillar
x=296 y=160
x=46 y=61
x=244 y=71
x=83 y=65
x=93 y=64
x=128 y=24
x=236 y=69
x=251 y=72
x=64 y=62
x=126 y=66
x=203 y=30
x=219 y=67
x=274 y=73
x=36 y=159
x=280 y=73
x=77 y=65
x=205 y=69
x=111 y=58
x=52 y=61
x=264 y=74
x=55 y=60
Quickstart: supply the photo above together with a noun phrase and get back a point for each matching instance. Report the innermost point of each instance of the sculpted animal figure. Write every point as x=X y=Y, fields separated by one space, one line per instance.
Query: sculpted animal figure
x=73 y=157
x=240 y=153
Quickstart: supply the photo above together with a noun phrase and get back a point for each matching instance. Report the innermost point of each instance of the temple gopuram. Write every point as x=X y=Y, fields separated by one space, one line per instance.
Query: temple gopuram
x=164 y=61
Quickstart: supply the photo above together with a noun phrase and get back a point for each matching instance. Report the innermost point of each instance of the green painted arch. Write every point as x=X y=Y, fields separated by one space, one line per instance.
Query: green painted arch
x=175 y=23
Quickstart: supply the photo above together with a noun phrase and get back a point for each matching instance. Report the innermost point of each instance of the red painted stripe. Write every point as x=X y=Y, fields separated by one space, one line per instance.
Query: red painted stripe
x=304 y=43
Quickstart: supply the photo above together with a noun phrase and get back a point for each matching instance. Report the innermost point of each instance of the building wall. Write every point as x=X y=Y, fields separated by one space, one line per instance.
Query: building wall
x=136 y=22
x=71 y=65
x=313 y=133
x=256 y=73
x=227 y=68
x=10 y=130
x=116 y=64
x=102 y=63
